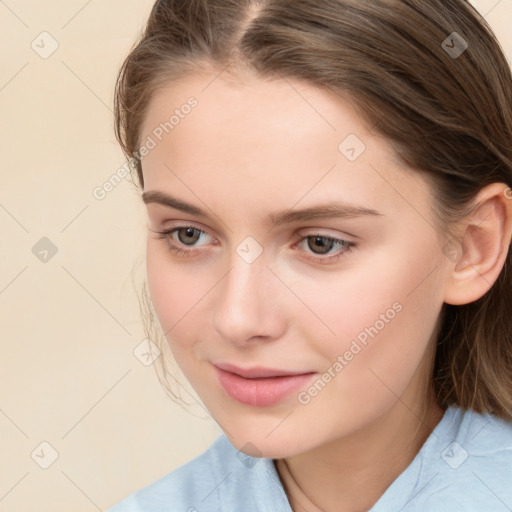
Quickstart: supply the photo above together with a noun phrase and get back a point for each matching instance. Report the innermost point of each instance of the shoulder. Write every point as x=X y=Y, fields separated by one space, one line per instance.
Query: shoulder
x=221 y=475
x=486 y=438
x=184 y=485
x=471 y=461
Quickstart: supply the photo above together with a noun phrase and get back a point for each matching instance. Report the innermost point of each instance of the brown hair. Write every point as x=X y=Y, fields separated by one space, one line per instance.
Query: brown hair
x=447 y=115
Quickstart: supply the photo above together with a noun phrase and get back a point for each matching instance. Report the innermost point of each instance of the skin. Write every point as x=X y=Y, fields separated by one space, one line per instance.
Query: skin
x=252 y=147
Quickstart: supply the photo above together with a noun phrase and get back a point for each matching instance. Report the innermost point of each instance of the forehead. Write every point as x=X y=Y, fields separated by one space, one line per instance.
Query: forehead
x=270 y=141
x=253 y=110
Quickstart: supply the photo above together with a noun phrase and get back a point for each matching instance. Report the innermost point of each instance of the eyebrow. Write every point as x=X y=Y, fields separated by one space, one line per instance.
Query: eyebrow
x=277 y=218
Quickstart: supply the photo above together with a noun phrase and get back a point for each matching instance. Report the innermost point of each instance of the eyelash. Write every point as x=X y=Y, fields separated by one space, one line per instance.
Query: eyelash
x=189 y=253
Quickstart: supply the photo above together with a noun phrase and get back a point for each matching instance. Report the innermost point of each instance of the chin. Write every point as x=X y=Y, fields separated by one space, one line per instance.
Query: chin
x=259 y=439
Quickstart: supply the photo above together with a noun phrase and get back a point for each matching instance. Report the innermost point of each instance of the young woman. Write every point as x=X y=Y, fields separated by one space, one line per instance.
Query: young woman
x=329 y=208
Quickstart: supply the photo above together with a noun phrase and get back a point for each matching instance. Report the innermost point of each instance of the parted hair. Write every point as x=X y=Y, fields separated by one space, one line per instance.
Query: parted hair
x=443 y=101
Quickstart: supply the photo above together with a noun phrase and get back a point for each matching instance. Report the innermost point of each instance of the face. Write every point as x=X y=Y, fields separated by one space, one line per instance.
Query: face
x=347 y=303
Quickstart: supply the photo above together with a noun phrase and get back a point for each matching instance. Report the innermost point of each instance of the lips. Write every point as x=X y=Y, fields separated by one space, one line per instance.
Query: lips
x=257 y=371
x=259 y=386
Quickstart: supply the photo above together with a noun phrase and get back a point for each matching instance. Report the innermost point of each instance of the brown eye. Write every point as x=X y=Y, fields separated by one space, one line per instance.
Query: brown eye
x=188 y=235
x=324 y=249
x=320 y=244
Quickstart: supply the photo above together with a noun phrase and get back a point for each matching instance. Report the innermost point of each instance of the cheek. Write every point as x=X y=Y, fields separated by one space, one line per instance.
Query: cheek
x=179 y=293
x=173 y=290
x=382 y=310
x=352 y=299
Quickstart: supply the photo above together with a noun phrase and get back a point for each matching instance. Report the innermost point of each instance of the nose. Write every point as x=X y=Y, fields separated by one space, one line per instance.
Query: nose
x=247 y=303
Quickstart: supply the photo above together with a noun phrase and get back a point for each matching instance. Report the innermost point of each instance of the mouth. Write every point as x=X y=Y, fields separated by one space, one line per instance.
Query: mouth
x=257 y=371
x=259 y=386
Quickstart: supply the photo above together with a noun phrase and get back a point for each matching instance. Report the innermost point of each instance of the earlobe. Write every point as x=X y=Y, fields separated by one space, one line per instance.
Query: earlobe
x=483 y=246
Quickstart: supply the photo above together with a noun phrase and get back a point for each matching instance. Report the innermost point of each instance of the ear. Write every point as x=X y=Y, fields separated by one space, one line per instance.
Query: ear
x=487 y=233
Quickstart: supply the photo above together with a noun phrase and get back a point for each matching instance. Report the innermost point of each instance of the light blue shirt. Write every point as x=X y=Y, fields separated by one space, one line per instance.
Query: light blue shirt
x=465 y=465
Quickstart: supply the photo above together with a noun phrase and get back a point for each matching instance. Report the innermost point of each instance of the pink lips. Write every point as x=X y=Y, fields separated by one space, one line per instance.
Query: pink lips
x=259 y=387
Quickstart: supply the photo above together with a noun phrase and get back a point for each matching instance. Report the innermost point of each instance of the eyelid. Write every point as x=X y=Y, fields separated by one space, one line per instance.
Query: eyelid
x=328 y=258
x=325 y=232
x=172 y=224
x=175 y=225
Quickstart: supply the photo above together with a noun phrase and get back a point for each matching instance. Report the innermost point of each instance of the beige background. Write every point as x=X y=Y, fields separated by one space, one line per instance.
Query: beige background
x=69 y=325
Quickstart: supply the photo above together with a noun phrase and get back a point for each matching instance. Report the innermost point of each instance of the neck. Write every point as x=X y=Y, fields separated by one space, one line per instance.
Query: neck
x=352 y=473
